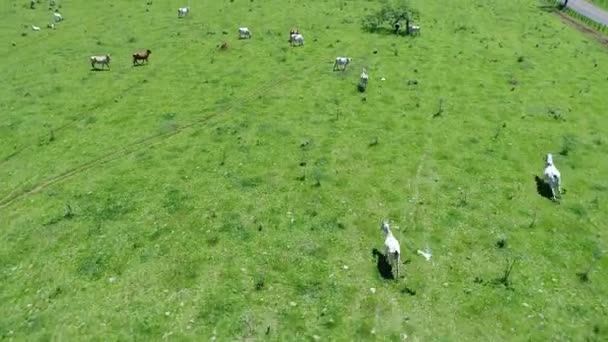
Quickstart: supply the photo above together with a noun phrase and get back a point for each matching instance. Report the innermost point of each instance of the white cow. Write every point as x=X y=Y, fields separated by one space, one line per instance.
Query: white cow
x=183 y=11
x=364 y=77
x=296 y=39
x=103 y=60
x=244 y=33
x=414 y=30
x=342 y=62
x=35 y=28
x=58 y=17
x=552 y=176
x=391 y=248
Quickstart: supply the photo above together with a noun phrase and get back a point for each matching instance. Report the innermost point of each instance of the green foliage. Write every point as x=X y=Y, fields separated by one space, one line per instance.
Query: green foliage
x=388 y=14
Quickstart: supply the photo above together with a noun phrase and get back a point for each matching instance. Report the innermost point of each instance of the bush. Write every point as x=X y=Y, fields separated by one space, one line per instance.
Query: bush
x=391 y=12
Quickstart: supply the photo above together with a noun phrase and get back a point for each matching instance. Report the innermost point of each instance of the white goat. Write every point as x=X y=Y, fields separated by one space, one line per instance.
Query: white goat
x=183 y=11
x=364 y=78
x=342 y=62
x=296 y=39
x=58 y=17
x=391 y=248
x=552 y=176
x=414 y=30
x=104 y=60
x=244 y=33
x=35 y=28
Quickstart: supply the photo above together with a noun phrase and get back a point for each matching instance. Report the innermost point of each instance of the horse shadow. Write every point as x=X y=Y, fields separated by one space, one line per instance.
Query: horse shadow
x=543 y=188
x=384 y=267
x=139 y=64
x=97 y=69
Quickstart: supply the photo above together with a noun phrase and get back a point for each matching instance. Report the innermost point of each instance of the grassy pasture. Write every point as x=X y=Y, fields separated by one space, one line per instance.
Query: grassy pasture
x=220 y=193
x=601 y=3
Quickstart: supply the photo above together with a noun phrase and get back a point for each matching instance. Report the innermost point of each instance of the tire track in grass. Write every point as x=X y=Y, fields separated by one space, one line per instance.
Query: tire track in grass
x=415 y=184
x=83 y=113
x=128 y=149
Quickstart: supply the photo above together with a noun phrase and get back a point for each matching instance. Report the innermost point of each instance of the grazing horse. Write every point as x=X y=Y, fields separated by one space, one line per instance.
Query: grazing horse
x=103 y=60
x=141 y=56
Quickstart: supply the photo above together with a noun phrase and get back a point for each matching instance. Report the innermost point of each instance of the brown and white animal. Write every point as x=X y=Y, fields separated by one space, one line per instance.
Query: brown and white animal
x=104 y=60
x=141 y=56
x=391 y=249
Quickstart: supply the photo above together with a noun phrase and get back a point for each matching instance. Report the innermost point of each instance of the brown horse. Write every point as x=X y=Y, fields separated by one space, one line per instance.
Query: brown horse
x=141 y=56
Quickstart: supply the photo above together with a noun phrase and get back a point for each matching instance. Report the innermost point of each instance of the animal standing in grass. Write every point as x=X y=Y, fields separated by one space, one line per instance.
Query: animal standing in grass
x=183 y=11
x=58 y=17
x=103 y=60
x=363 y=79
x=141 y=57
x=391 y=249
x=244 y=33
x=552 y=176
x=342 y=63
x=414 y=30
x=296 y=39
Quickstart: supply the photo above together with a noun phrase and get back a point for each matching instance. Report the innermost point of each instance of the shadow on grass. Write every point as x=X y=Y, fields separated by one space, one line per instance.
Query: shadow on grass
x=383 y=265
x=386 y=31
x=543 y=188
x=139 y=64
x=96 y=69
x=548 y=8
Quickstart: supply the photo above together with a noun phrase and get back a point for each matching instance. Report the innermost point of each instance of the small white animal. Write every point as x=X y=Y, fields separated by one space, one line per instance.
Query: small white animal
x=414 y=30
x=244 y=33
x=58 y=17
x=51 y=26
x=552 y=176
x=103 y=60
x=364 y=77
x=183 y=11
x=296 y=39
x=391 y=248
x=342 y=62
x=35 y=28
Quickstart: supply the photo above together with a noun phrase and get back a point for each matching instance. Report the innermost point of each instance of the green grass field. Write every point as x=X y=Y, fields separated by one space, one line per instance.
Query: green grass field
x=601 y=3
x=220 y=193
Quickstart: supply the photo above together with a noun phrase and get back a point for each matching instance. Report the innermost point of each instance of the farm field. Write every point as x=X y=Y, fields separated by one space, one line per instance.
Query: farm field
x=601 y=3
x=238 y=194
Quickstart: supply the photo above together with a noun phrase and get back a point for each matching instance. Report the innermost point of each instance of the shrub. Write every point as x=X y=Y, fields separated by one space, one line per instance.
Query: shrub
x=391 y=12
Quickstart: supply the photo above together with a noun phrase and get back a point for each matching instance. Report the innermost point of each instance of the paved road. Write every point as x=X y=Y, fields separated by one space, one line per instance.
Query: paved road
x=589 y=10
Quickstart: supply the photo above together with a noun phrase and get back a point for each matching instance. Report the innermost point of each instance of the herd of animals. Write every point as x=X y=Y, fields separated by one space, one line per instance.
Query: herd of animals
x=392 y=250
x=551 y=174
x=139 y=57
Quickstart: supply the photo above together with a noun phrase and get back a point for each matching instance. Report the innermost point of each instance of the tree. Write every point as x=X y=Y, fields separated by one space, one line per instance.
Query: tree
x=391 y=13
